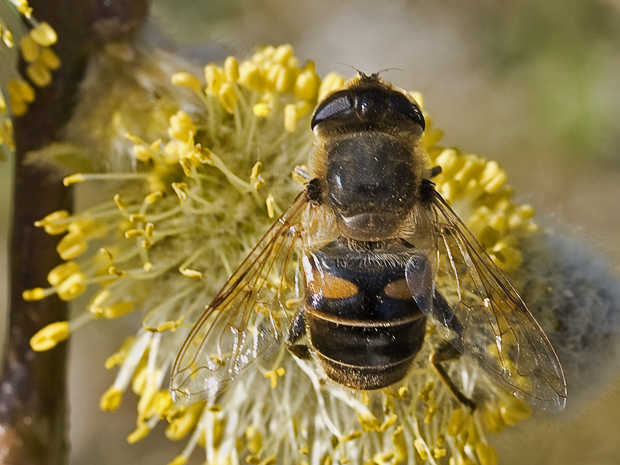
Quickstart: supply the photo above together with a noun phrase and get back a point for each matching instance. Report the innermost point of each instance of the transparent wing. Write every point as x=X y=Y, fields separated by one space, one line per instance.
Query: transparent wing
x=455 y=282
x=247 y=318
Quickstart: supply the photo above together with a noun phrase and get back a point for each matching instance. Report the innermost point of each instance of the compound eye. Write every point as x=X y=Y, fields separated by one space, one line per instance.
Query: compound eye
x=400 y=104
x=335 y=106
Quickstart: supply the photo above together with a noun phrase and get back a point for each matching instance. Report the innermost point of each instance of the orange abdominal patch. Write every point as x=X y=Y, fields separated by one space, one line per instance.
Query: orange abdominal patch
x=331 y=287
x=398 y=290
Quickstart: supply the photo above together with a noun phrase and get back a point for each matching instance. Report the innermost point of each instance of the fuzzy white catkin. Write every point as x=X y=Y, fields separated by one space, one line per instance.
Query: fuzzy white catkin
x=577 y=302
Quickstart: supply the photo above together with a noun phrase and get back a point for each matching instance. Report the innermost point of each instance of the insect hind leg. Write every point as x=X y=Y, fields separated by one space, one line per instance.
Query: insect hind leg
x=445 y=353
x=296 y=334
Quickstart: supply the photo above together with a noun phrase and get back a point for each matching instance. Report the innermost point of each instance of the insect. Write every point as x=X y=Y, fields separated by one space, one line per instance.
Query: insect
x=373 y=252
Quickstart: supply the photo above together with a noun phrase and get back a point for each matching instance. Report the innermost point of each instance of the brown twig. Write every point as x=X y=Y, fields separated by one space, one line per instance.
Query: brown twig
x=32 y=385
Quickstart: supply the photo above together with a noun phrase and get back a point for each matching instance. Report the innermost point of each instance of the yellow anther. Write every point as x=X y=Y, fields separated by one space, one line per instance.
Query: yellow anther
x=283 y=53
x=330 y=83
x=254 y=439
x=430 y=137
x=472 y=168
x=389 y=421
x=179 y=460
x=186 y=80
x=425 y=393
x=420 y=448
x=72 y=286
x=492 y=418
x=214 y=77
x=285 y=79
x=521 y=216
x=148 y=267
x=457 y=421
x=119 y=356
x=23 y=7
x=49 y=221
x=270 y=202
x=188 y=272
x=73 y=179
x=493 y=177
x=290 y=117
x=170 y=325
x=117 y=310
x=30 y=49
x=227 y=97
x=112 y=270
x=7 y=38
x=20 y=90
x=36 y=293
x=62 y=272
x=49 y=58
x=256 y=170
x=119 y=202
x=180 y=426
x=270 y=461
x=252 y=460
x=450 y=161
x=307 y=85
x=450 y=190
x=163 y=403
x=231 y=69
x=261 y=110
x=252 y=76
x=137 y=218
x=133 y=233
x=49 y=336
x=179 y=188
x=111 y=399
x=488 y=237
x=273 y=376
x=400 y=445
x=44 y=34
x=71 y=246
x=181 y=126
x=39 y=74
x=139 y=433
x=507 y=257
x=153 y=197
x=143 y=153
x=514 y=410
x=486 y=454
x=148 y=229
x=106 y=253
x=3 y=107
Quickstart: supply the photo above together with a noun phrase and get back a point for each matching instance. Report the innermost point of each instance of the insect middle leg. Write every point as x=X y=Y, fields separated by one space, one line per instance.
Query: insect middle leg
x=445 y=353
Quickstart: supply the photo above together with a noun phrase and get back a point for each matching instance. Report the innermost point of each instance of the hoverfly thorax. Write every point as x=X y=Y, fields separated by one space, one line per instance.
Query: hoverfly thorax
x=366 y=143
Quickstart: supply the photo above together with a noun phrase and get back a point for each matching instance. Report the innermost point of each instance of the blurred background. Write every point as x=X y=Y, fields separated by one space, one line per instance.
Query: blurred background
x=533 y=84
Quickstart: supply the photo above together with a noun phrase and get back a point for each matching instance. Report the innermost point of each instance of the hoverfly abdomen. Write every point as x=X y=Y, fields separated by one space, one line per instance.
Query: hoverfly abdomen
x=362 y=320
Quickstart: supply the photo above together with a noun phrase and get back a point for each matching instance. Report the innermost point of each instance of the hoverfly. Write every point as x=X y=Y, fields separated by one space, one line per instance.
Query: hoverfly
x=373 y=250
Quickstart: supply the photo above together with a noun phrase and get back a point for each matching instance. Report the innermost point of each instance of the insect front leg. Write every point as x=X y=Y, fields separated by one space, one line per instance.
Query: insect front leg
x=296 y=334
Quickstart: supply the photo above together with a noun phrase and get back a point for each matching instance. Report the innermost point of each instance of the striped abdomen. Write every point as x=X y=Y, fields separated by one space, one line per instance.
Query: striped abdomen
x=362 y=321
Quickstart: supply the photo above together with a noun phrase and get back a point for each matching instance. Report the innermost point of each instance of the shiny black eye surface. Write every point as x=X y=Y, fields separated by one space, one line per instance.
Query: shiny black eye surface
x=400 y=104
x=337 y=105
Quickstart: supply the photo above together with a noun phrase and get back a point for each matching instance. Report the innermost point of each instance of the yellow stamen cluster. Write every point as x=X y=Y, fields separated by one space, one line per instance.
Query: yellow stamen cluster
x=41 y=60
x=196 y=183
x=476 y=188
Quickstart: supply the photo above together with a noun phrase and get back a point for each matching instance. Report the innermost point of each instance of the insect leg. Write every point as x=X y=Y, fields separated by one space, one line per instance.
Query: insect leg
x=296 y=333
x=445 y=353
